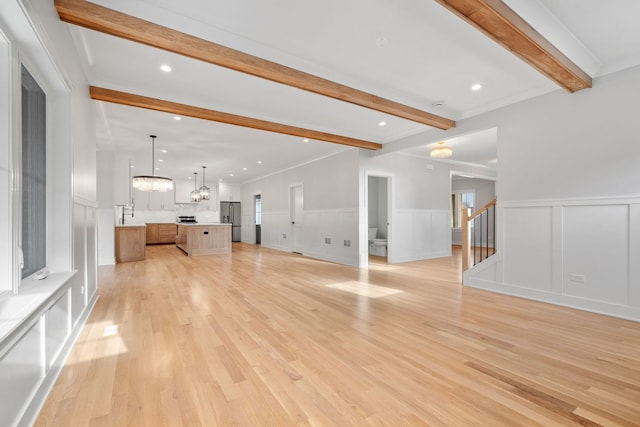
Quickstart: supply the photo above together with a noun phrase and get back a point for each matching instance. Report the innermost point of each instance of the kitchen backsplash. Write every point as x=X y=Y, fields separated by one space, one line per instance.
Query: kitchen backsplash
x=144 y=216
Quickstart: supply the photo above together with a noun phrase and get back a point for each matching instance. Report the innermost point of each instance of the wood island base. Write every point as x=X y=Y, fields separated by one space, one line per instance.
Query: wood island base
x=204 y=239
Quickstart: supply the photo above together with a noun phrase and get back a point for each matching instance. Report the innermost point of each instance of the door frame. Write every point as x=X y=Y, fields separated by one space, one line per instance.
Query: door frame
x=253 y=215
x=293 y=234
x=364 y=231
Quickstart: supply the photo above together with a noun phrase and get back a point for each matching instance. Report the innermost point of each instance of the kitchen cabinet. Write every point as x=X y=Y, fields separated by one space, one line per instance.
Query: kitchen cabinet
x=154 y=200
x=130 y=243
x=229 y=192
x=183 y=189
x=167 y=233
x=159 y=233
x=204 y=239
x=152 y=234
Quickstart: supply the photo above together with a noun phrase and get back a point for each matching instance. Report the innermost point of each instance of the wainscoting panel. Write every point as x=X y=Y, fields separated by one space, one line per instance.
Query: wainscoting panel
x=577 y=253
x=420 y=234
x=332 y=235
x=596 y=253
x=527 y=243
x=276 y=229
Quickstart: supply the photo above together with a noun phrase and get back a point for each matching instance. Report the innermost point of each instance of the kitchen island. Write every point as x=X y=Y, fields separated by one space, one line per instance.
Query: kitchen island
x=204 y=238
x=130 y=241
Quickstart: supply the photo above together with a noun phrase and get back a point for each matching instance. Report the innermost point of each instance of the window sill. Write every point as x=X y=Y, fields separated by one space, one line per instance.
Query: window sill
x=33 y=298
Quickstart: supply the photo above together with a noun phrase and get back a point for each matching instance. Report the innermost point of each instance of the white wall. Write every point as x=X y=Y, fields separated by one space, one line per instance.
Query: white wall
x=569 y=197
x=330 y=192
x=419 y=215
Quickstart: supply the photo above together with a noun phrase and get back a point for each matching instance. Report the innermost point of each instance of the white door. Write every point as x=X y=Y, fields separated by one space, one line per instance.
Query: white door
x=297 y=218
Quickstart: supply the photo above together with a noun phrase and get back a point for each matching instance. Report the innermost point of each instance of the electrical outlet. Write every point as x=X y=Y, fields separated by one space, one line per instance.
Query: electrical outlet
x=578 y=278
x=327 y=240
x=347 y=243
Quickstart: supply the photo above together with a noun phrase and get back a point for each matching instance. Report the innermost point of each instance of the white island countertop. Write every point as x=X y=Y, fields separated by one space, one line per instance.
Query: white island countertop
x=208 y=224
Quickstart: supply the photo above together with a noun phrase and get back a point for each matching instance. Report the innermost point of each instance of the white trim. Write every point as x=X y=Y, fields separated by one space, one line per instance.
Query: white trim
x=622 y=311
x=39 y=398
x=364 y=231
x=556 y=293
x=630 y=200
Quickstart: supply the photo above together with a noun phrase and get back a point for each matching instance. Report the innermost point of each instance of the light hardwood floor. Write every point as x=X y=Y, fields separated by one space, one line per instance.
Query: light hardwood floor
x=265 y=338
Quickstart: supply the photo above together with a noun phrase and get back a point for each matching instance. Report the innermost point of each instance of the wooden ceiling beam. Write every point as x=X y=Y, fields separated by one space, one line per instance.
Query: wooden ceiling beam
x=506 y=27
x=112 y=22
x=132 y=100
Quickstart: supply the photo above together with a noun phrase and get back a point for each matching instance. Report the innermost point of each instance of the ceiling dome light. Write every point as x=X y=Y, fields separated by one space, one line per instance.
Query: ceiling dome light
x=152 y=182
x=441 y=151
x=204 y=190
x=165 y=68
x=476 y=86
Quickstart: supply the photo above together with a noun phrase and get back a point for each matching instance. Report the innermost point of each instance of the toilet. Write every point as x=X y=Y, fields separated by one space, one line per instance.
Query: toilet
x=377 y=247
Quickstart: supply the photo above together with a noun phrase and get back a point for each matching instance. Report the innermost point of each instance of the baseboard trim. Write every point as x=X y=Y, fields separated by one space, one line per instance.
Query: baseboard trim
x=599 y=307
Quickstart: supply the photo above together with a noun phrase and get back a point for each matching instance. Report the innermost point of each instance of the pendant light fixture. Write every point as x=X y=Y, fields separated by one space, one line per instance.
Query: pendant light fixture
x=441 y=151
x=195 y=194
x=152 y=182
x=204 y=190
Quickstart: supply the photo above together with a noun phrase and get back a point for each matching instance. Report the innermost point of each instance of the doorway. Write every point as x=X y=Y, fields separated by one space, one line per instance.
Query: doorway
x=378 y=203
x=296 y=205
x=257 y=211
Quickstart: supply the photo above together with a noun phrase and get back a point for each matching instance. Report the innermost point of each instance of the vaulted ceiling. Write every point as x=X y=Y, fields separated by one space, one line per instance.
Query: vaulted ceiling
x=408 y=63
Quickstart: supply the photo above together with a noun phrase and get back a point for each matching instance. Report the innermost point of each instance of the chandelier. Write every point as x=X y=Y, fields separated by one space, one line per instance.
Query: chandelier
x=152 y=182
x=441 y=151
x=195 y=194
x=204 y=190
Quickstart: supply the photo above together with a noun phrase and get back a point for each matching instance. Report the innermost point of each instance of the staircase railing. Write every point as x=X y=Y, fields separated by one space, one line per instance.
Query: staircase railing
x=475 y=246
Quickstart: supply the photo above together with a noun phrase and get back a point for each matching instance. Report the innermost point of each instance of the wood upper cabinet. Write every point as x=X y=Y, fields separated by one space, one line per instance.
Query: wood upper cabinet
x=161 y=233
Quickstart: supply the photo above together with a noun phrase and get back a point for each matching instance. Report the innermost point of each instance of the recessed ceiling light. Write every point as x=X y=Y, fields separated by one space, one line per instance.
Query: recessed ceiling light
x=177 y=118
x=165 y=68
x=382 y=41
x=131 y=166
x=189 y=177
x=160 y=160
x=164 y=151
x=157 y=169
x=305 y=140
x=220 y=180
x=259 y=161
x=438 y=103
x=244 y=169
x=230 y=174
x=382 y=124
x=476 y=86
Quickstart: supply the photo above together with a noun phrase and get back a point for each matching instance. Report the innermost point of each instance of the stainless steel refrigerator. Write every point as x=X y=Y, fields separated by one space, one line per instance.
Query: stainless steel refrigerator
x=230 y=214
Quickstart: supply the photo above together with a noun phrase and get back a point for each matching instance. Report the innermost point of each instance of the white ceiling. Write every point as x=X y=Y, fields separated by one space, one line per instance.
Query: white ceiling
x=411 y=51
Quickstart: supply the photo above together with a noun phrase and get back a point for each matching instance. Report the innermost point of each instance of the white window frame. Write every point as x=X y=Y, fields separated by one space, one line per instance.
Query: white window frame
x=33 y=71
x=26 y=48
x=456 y=209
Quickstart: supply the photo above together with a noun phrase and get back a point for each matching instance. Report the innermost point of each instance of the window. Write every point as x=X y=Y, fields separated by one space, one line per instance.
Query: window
x=460 y=200
x=33 y=176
